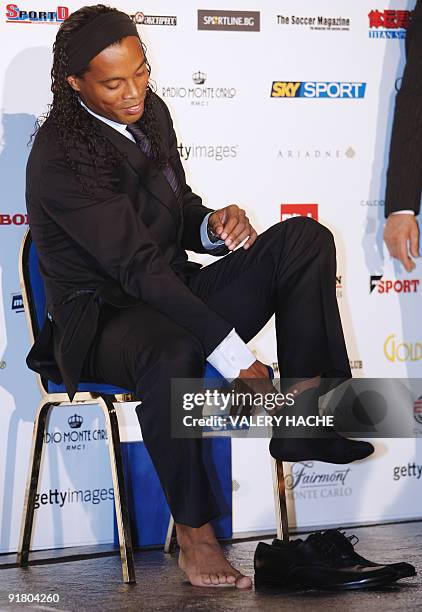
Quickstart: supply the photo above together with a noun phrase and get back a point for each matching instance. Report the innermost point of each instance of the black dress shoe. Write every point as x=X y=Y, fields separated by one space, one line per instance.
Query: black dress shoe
x=313 y=564
x=345 y=547
x=331 y=449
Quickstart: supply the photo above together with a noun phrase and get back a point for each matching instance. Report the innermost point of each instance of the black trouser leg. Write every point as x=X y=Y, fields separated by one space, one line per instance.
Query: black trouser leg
x=139 y=348
x=290 y=272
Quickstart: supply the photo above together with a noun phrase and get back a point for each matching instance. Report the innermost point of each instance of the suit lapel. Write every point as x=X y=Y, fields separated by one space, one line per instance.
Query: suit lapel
x=151 y=177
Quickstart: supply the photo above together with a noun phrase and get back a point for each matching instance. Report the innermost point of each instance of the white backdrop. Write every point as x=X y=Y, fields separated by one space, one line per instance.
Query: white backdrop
x=238 y=145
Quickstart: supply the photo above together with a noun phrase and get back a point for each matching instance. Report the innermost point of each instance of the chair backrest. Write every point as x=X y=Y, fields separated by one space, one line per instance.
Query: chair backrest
x=33 y=294
x=32 y=286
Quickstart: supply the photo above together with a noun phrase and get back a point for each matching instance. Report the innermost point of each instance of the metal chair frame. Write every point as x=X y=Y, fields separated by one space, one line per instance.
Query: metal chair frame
x=106 y=402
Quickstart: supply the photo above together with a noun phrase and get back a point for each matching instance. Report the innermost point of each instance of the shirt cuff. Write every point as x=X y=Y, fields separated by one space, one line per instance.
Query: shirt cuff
x=231 y=356
x=403 y=212
x=206 y=242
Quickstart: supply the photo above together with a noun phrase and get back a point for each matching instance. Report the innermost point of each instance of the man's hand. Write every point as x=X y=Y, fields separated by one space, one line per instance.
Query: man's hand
x=232 y=225
x=256 y=370
x=401 y=234
x=255 y=380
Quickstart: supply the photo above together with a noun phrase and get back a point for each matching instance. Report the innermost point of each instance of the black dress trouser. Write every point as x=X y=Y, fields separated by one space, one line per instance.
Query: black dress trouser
x=290 y=272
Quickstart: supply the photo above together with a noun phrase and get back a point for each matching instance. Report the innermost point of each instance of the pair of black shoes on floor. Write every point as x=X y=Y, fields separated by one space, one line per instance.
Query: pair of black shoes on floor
x=325 y=560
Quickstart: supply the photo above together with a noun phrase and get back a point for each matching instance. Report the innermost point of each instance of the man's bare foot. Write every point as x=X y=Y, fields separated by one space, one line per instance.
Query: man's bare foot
x=203 y=561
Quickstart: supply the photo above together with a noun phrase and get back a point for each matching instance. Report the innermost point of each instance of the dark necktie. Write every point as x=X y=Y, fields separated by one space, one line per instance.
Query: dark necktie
x=144 y=144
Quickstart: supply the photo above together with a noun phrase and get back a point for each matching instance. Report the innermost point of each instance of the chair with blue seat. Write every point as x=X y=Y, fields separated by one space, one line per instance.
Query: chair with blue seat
x=88 y=393
x=106 y=396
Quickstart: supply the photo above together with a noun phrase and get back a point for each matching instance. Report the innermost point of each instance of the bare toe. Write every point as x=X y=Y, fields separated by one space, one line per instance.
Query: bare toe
x=214 y=579
x=243 y=582
x=222 y=578
x=206 y=578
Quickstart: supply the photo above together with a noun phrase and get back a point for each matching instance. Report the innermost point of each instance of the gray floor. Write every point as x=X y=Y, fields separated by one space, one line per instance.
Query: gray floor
x=95 y=584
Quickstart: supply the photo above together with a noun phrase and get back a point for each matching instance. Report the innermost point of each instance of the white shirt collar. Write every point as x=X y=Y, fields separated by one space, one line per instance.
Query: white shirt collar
x=120 y=127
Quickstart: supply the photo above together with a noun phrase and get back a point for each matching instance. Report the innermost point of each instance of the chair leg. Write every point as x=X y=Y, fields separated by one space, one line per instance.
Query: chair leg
x=120 y=497
x=280 y=501
x=171 y=531
x=32 y=482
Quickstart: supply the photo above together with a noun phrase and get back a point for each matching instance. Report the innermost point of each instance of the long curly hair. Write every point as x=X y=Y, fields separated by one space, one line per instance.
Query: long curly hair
x=73 y=125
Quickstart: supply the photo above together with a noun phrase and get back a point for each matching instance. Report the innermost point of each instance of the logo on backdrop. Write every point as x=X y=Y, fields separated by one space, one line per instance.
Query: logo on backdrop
x=356 y=364
x=229 y=21
x=318 y=89
x=396 y=351
x=417 y=410
x=17 y=302
x=304 y=482
x=316 y=23
x=199 y=77
x=288 y=211
x=373 y=203
x=411 y=470
x=16 y=219
x=198 y=94
x=75 y=438
x=56 y=497
x=389 y=23
x=339 y=286
x=15 y=15
x=160 y=20
x=75 y=421
x=322 y=154
x=381 y=285
x=215 y=152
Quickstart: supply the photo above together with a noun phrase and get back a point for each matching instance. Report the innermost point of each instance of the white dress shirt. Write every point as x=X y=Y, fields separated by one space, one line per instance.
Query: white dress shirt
x=232 y=354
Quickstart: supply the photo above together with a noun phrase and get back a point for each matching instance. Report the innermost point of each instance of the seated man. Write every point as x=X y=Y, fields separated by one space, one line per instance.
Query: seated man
x=111 y=215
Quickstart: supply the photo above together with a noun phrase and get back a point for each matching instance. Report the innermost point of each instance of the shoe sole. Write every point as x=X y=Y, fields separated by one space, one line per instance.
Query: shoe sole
x=307 y=457
x=361 y=584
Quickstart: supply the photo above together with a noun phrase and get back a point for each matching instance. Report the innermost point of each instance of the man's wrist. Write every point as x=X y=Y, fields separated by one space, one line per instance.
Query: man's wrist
x=213 y=237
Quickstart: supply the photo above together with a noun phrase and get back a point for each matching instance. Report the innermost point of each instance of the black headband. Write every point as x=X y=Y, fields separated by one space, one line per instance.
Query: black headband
x=95 y=36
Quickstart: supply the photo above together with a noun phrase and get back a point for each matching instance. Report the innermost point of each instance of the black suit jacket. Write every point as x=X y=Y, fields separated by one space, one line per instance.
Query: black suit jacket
x=123 y=244
x=404 y=175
